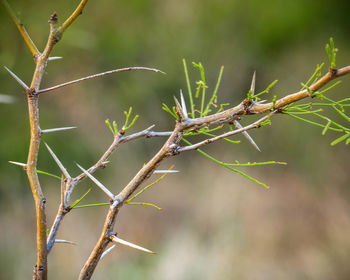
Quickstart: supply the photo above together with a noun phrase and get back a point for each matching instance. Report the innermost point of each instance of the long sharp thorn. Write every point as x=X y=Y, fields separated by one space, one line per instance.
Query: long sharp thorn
x=126 y=243
x=107 y=251
x=17 y=79
x=60 y=165
x=165 y=171
x=6 y=99
x=245 y=133
x=54 y=58
x=183 y=104
x=19 y=164
x=252 y=86
x=98 y=183
x=179 y=110
x=57 y=129
x=65 y=241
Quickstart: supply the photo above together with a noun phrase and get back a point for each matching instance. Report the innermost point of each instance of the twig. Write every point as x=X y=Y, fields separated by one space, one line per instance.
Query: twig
x=77 y=12
x=98 y=75
x=34 y=50
x=224 y=135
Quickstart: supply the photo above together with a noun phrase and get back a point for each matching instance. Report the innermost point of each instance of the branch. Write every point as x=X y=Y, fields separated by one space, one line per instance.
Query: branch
x=33 y=49
x=171 y=148
x=69 y=185
x=78 y=11
x=98 y=75
x=255 y=124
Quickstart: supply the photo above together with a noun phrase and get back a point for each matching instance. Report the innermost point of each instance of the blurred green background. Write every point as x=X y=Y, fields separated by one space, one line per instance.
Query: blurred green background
x=214 y=224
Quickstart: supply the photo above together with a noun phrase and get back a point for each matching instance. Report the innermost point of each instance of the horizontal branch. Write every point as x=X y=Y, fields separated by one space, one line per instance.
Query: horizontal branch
x=255 y=124
x=98 y=75
x=251 y=108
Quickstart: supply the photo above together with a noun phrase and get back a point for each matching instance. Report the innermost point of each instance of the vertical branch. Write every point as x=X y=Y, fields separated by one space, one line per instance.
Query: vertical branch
x=40 y=202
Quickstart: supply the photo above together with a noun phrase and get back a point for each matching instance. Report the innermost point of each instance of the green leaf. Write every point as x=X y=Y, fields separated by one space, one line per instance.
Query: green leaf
x=48 y=174
x=92 y=205
x=189 y=88
x=340 y=139
x=326 y=127
x=80 y=199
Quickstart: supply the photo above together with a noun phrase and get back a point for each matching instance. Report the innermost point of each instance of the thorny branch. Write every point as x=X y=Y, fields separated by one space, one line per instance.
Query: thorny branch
x=70 y=183
x=170 y=148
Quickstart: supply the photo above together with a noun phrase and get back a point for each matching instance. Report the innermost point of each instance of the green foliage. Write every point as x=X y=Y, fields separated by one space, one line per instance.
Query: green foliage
x=332 y=52
x=114 y=127
x=206 y=106
x=256 y=97
x=316 y=110
x=74 y=204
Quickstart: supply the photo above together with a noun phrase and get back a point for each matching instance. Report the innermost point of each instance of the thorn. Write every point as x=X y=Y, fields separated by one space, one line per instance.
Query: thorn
x=126 y=243
x=65 y=241
x=259 y=102
x=183 y=104
x=17 y=79
x=60 y=165
x=245 y=133
x=179 y=110
x=149 y=128
x=19 y=164
x=107 y=251
x=160 y=71
x=252 y=86
x=98 y=183
x=55 y=58
x=165 y=171
x=6 y=99
x=57 y=129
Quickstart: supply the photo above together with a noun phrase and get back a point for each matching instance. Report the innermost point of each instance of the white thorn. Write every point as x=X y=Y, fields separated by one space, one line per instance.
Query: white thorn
x=54 y=58
x=149 y=128
x=126 y=243
x=6 y=99
x=165 y=171
x=18 y=163
x=57 y=129
x=107 y=251
x=60 y=165
x=65 y=241
x=98 y=183
x=17 y=79
x=245 y=133
x=252 y=86
x=183 y=104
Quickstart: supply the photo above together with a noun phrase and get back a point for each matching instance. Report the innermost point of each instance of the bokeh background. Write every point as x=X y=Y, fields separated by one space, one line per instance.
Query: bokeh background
x=214 y=224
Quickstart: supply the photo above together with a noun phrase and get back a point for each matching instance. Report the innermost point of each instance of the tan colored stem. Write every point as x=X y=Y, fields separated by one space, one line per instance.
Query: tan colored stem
x=78 y=11
x=33 y=49
x=141 y=176
x=171 y=148
x=40 y=202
